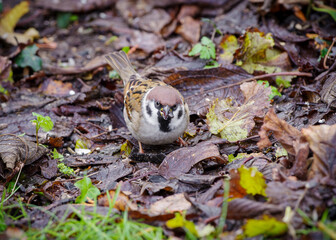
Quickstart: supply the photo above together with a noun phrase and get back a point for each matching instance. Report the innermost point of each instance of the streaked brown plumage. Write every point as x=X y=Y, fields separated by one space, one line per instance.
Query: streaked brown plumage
x=154 y=112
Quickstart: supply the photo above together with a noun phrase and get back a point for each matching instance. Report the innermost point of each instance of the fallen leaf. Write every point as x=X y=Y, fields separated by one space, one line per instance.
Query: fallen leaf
x=74 y=6
x=268 y=227
x=283 y=132
x=241 y=208
x=328 y=92
x=28 y=57
x=122 y=203
x=234 y=122
x=181 y=160
x=174 y=203
x=252 y=180
x=56 y=88
x=14 y=148
x=190 y=29
x=9 y=21
x=229 y=44
x=322 y=141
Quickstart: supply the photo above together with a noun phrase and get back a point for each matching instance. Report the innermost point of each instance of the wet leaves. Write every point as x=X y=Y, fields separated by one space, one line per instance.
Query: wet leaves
x=289 y=167
x=234 y=122
x=15 y=150
x=180 y=161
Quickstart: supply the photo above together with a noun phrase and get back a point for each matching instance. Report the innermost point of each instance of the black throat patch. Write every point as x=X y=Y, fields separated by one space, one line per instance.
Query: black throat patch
x=164 y=124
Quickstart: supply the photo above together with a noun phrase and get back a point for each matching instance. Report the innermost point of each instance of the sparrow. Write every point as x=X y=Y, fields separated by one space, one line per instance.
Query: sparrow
x=155 y=113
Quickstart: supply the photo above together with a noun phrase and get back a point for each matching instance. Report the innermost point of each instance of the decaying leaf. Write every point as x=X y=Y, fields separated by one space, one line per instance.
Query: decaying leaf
x=322 y=141
x=254 y=52
x=283 y=132
x=14 y=149
x=252 y=180
x=268 y=227
x=181 y=160
x=122 y=203
x=9 y=21
x=235 y=122
x=170 y=204
x=241 y=208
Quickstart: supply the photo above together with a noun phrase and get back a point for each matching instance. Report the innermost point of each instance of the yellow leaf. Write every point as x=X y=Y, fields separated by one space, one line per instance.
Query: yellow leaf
x=268 y=226
x=252 y=180
x=9 y=21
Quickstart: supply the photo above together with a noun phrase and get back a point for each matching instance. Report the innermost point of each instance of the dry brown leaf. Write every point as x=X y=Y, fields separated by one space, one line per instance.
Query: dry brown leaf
x=122 y=203
x=174 y=203
x=14 y=148
x=322 y=141
x=56 y=88
x=190 y=29
x=241 y=208
x=283 y=132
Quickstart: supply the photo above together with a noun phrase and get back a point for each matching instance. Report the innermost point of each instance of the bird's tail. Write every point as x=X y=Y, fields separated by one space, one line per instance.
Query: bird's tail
x=120 y=62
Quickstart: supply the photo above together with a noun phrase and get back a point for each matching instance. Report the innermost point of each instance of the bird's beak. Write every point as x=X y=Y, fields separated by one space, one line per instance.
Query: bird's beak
x=166 y=112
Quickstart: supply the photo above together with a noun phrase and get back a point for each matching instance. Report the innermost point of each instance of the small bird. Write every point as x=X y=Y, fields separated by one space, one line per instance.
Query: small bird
x=155 y=113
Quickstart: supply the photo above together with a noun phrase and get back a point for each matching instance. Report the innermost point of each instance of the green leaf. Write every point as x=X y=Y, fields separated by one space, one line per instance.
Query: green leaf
x=212 y=50
x=87 y=190
x=281 y=152
x=63 y=19
x=196 y=49
x=65 y=169
x=27 y=58
x=231 y=157
x=206 y=41
x=125 y=49
x=252 y=180
x=57 y=155
x=126 y=149
x=44 y=122
x=268 y=227
x=205 y=53
x=281 y=81
x=274 y=90
x=211 y=64
x=180 y=221
x=326 y=9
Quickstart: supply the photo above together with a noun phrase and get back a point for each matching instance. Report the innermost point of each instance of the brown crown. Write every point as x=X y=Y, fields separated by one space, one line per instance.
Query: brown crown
x=165 y=95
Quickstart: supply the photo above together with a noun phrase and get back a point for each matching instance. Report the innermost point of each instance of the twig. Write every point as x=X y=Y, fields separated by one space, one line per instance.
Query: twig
x=303 y=74
x=326 y=56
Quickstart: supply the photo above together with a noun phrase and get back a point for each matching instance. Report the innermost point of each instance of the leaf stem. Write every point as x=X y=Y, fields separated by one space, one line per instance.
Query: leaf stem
x=326 y=56
x=222 y=219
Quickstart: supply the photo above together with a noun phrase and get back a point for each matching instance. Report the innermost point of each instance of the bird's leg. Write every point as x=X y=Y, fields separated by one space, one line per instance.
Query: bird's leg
x=182 y=142
x=140 y=148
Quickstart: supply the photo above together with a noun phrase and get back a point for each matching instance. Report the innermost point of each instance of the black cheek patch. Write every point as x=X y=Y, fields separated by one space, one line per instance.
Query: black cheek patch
x=149 y=111
x=179 y=114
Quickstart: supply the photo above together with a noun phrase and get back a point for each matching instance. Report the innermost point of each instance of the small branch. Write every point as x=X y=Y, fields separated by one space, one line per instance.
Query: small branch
x=326 y=56
x=302 y=74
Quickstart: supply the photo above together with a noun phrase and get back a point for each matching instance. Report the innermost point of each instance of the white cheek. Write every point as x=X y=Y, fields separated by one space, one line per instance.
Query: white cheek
x=151 y=119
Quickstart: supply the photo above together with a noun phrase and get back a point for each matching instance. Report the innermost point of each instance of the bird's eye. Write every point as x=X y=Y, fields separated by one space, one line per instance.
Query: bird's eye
x=174 y=107
x=157 y=104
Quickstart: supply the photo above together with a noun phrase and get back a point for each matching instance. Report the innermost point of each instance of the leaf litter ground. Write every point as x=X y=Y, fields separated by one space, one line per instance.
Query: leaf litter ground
x=278 y=156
